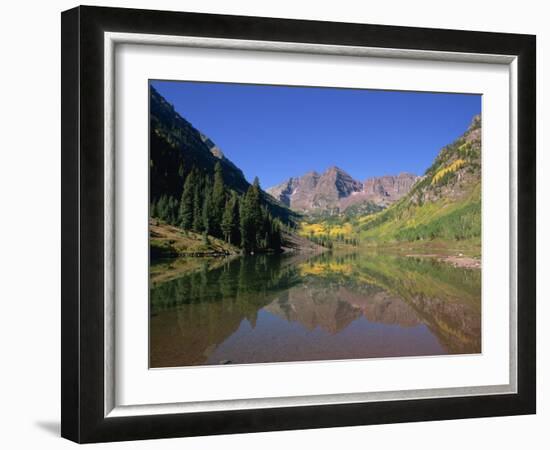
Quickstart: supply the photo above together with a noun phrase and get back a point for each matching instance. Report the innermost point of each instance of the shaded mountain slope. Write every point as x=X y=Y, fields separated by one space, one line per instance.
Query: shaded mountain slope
x=176 y=147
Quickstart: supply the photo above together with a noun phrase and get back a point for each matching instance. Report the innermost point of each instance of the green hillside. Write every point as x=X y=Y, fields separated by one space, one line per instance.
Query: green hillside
x=444 y=204
x=444 y=218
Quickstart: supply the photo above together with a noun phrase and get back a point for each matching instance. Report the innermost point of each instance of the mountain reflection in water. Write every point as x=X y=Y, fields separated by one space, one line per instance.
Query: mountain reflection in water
x=272 y=308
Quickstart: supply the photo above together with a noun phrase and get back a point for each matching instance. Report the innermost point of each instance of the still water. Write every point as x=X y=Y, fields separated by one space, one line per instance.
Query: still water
x=273 y=308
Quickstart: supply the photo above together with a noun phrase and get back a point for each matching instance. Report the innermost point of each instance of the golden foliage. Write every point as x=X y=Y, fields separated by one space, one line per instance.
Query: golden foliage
x=328 y=268
x=323 y=229
x=453 y=167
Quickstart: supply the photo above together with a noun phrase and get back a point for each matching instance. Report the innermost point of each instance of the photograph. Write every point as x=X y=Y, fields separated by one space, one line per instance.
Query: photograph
x=301 y=223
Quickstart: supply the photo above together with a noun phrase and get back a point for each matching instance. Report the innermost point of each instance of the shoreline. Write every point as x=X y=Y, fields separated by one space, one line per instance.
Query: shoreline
x=458 y=261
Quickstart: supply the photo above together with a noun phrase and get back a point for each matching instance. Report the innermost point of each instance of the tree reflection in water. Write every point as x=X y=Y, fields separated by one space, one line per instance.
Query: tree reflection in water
x=272 y=308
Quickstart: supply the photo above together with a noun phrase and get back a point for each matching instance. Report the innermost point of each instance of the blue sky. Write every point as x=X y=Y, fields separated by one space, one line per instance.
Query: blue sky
x=276 y=132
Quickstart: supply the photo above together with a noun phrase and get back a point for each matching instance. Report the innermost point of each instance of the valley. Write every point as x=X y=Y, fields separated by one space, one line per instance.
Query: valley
x=441 y=209
x=318 y=266
x=195 y=188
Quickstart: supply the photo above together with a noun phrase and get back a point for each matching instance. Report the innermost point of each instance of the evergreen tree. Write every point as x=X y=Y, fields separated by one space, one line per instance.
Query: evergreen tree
x=236 y=239
x=206 y=209
x=162 y=207
x=256 y=211
x=197 y=207
x=247 y=229
x=172 y=211
x=186 y=210
x=230 y=218
x=265 y=229
x=251 y=218
x=218 y=201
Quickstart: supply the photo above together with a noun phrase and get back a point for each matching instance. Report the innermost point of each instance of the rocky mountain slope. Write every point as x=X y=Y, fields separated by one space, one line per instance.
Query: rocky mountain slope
x=445 y=203
x=382 y=191
x=335 y=191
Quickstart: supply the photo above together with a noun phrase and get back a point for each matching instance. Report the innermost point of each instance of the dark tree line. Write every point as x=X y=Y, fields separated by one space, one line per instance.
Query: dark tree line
x=207 y=206
x=324 y=240
x=348 y=241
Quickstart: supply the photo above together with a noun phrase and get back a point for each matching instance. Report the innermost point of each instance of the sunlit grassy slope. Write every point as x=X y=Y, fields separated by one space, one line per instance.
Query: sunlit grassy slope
x=445 y=218
x=169 y=241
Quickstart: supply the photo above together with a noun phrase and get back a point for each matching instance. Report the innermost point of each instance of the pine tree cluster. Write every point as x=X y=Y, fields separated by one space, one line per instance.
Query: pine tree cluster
x=207 y=206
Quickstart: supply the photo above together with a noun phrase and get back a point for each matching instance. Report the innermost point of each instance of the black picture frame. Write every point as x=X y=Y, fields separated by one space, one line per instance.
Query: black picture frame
x=82 y=315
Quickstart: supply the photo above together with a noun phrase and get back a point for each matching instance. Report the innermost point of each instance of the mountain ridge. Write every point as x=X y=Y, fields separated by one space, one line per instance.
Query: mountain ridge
x=334 y=190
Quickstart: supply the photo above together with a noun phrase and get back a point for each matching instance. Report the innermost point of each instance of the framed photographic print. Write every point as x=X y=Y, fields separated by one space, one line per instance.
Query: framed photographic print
x=274 y=224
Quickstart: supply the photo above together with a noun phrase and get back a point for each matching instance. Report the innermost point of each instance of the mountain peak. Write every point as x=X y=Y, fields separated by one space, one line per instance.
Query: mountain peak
x=336 y=190
x=476 y=122
x=312 y=173
x=336 y=169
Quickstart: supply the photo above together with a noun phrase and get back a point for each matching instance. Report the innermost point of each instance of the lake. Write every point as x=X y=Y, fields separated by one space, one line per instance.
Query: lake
x=329 y=306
